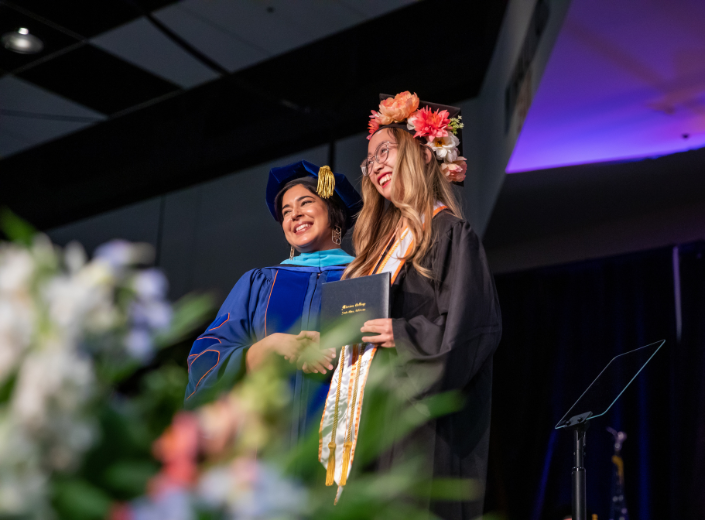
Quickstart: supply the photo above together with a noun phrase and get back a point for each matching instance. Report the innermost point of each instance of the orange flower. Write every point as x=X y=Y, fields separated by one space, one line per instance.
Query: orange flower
x=177 y=448
x=393 y=110
x=381 y=118
x=399 y=108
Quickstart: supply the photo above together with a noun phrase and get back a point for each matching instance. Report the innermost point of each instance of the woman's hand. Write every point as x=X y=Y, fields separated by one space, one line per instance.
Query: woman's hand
x=317 y=361
x=383 y=327
x=289 y=346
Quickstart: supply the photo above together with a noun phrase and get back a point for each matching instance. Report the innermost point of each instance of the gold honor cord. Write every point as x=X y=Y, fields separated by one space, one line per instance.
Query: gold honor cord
x=351 y=421
x=330 y=470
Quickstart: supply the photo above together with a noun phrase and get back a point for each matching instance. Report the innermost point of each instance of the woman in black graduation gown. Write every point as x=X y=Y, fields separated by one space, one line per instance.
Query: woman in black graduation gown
x=446 y=321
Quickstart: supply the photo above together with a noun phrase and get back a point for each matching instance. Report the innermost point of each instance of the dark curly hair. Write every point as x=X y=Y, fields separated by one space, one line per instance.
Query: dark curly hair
x=336 y=211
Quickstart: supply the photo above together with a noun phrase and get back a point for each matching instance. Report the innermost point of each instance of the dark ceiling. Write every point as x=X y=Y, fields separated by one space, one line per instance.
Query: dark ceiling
x=306 y=97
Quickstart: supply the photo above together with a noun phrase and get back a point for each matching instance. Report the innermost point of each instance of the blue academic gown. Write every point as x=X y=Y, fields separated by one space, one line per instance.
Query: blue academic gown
x=283 y=298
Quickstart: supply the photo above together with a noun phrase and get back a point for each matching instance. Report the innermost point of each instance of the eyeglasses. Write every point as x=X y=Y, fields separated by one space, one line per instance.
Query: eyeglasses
x=380 y=157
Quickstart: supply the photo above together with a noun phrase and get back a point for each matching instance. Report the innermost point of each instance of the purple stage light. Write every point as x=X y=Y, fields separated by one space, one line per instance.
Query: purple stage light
x=625 y=80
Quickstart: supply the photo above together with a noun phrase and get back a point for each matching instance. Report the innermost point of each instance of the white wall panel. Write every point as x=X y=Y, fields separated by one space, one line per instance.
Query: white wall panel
x=240 y=33
x=35 y=127
x=488 y=142
x=211 y=37
x=142 y=44
x=251 y=22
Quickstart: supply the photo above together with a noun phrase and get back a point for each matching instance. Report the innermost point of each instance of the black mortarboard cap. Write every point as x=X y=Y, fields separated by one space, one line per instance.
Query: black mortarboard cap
x=348 y=195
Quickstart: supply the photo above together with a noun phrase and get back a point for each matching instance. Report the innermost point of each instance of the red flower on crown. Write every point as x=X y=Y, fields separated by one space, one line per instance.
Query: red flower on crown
x=373 y=125
x=430 y=124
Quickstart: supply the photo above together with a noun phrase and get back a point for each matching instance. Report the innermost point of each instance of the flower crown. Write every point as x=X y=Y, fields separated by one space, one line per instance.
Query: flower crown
x=437 y=127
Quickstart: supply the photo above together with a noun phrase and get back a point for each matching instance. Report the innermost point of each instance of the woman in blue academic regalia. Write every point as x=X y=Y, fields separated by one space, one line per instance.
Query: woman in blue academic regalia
x=274 y=310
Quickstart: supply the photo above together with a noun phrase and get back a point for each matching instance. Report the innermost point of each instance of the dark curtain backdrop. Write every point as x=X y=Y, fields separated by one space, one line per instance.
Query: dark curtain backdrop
x=562 y=325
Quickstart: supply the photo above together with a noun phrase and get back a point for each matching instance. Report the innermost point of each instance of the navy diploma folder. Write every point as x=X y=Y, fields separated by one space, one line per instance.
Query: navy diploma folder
x=347 y=304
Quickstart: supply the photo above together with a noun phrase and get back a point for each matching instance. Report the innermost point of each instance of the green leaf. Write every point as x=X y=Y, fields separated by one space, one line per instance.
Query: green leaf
x=79 y=500
x=443 y=404
x=130 y=477
x=453 y=489
x=6 y=388
x=16 y=228
x=118 y=370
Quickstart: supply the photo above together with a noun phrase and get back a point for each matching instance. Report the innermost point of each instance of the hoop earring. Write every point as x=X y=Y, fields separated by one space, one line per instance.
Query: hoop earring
x=291 y=255
x=337 y=235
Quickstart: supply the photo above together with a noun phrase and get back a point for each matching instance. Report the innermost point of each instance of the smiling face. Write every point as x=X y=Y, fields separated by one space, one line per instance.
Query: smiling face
x=381 y=174
x=305 y=221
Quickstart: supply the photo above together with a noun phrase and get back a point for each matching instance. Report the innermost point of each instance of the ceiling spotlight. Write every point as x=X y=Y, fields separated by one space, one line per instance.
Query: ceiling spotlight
x=22 y=42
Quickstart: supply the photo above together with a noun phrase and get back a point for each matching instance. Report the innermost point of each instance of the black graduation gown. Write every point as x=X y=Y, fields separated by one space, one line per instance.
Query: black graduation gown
x=446 y=331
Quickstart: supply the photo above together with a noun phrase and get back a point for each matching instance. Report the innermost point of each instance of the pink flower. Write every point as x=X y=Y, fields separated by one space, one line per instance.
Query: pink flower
x=399 y=108
x=219 y=422
x=429 y=124
x=455 y=171
x=120 y=511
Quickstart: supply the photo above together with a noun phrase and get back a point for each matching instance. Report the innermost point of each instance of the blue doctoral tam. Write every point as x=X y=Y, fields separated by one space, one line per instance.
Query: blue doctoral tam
x=346 y=193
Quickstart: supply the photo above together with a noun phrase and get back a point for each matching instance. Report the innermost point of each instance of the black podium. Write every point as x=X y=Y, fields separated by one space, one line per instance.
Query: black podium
x=595 y=402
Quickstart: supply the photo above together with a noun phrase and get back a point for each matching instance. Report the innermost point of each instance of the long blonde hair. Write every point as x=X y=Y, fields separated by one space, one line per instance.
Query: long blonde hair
x=416 y=187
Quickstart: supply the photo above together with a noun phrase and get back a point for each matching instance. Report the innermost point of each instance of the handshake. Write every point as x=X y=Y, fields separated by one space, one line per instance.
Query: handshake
x=302 y=349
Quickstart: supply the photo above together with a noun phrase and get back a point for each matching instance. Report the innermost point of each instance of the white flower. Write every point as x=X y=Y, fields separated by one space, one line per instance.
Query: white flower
x=16 y=270
x=120 y=253
x=172 y=505
x=150 y=284
x=139 y=344
x=445 y=148
x=74 y=257
x=252 y=490
x=155 y=315
x=97 y=272
x=53 y=377
x=17 y=319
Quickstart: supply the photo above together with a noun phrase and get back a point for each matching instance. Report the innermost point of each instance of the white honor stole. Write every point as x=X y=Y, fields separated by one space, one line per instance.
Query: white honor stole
x=341 y=414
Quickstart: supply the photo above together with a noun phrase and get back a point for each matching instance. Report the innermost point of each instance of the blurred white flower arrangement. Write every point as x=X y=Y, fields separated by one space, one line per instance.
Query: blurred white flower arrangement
x=59 y=312
x=89 y=431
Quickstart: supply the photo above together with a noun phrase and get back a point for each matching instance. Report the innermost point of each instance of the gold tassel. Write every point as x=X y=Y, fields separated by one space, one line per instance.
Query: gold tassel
x=326 y=182
x=330 y=470
x=346 y=462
